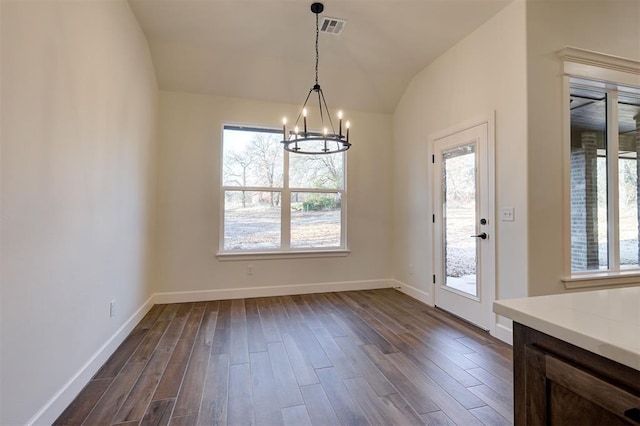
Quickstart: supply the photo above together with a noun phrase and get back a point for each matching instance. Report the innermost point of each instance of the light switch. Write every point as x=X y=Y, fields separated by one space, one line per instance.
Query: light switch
x=508 y=214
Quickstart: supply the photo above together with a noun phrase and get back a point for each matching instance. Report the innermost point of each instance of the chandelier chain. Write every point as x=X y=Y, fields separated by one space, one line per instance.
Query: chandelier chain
x=317 y=55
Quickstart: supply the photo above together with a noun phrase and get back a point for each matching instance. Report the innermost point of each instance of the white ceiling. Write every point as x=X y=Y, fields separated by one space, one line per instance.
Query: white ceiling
x=264 y=49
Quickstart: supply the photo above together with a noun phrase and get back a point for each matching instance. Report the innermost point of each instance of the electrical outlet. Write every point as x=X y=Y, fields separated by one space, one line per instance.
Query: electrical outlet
x=249 y=269
x=112 y=309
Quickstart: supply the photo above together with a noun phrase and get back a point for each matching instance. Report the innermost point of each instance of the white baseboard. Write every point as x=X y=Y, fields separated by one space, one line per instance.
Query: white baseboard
x=67 y=393
x=504 y=333
x=417 y=294
x=281 y=290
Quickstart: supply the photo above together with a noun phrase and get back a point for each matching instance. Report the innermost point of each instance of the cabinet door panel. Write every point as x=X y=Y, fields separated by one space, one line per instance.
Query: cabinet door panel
x=587 y=395
x=569 y=408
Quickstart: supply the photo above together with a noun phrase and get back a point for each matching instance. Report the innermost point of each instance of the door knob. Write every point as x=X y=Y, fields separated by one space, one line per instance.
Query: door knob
x=483 y=236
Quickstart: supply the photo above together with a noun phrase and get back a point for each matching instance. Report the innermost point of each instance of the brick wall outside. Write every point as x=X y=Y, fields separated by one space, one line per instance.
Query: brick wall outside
x=584 y=204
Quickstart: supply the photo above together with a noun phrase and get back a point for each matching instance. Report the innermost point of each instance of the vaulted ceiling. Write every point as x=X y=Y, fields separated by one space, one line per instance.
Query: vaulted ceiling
x=264 y=49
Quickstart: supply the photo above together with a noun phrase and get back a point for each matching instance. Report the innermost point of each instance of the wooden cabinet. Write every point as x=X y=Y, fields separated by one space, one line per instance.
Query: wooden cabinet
x=556 y=383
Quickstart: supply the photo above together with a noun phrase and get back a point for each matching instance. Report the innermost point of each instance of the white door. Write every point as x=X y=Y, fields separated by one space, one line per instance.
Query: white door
x=464 y=243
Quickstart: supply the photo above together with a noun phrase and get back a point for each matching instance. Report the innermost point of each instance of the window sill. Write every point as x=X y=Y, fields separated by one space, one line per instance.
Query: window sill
x=267 y=255
x=598 y=279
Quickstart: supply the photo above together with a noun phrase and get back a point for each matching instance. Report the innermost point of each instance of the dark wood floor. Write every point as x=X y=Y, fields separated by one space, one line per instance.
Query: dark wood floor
x=368 y=357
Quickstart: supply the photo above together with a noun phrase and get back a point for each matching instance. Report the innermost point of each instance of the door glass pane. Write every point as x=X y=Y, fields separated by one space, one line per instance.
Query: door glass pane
x=629 y=146
x=251 y=220
x=315 y=219
x=459 y=205
x=589 y=210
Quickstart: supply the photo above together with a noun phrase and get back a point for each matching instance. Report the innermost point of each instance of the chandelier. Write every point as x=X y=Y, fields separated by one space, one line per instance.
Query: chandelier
x=327 y=140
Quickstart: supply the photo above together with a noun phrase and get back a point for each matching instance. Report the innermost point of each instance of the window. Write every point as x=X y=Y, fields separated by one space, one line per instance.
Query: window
x=604 y=167
x=277 y=202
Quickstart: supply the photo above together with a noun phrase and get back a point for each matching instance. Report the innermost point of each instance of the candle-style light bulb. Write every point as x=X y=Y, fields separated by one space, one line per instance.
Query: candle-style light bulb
x=304 y=116
x=340 y=125
x=284 y=128
x=325 y=131
x=348 y=124
x=296 y=131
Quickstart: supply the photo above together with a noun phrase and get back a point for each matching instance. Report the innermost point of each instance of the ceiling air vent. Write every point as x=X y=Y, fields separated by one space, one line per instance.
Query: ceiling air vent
x=332 y=25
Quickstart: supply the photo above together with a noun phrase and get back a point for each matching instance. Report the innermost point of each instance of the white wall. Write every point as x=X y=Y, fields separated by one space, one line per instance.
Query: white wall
x=79 y=101
x=485 y=72
x=605 y=26
x=189 y=200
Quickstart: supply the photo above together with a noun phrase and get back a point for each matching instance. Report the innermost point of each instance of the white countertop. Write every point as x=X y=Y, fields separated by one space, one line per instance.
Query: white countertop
x=606 y=322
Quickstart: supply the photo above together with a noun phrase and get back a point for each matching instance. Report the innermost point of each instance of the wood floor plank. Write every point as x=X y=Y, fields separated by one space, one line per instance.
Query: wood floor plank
x=151 y=317
x=444 y=362
x=294 y=314
x=416 y=396
x=158 y=413
x=239 y=345
x=308 y=343
x=494 y=363
x=345 y=406
x=316 y=305
x=401 y=404
x=366 y=332
x=190 y=394
x=446 y=402
x=134 y=407
x=500 y=386
x=357 y=357
x=420 y=358
x=190 y=330
x=280 y=315
x=300 y=363
x=318 y=406
x=286 y=385
x=377 y=409
x=437 y=418
x=240 y=407
x=120 y=357
x=265 y=400
x=338 y=359
x=213 y=408
x=81 y=406
x=150 y=342
x=171 y=380
x=255 y=334
x=489 y=416
x=296 y=416
x=107 y=407
x=500 y=403
x=175 y=329
x=309 y=316
x=222 y=336
x=365 y=367
x=268 y=321
x=190 y=420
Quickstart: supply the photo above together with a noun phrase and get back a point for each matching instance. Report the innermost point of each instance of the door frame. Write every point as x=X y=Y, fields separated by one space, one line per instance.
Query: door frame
x=490 y=250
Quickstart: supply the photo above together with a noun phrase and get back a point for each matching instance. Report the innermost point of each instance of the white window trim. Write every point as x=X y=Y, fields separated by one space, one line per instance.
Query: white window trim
x=605 y=72
x=285 y=251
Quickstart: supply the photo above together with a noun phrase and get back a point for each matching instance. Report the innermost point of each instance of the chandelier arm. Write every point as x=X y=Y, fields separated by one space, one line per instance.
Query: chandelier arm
x=333 y=130
x=303 y=106
x=320 y=97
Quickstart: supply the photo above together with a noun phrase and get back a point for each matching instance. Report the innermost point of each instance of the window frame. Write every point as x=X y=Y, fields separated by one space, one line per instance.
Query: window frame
x=285 y=250
x=612 y=75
